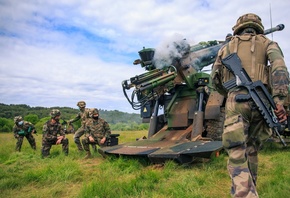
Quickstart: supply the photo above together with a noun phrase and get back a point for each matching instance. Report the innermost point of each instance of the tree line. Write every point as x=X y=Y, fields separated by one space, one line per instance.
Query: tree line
x=39 y=115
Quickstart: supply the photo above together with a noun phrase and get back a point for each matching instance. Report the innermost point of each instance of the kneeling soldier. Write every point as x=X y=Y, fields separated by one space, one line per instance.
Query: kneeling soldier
x=98 y=131
x=53 y=134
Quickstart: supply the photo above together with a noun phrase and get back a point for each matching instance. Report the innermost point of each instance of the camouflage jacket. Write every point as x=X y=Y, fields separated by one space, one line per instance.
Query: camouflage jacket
x=83 y=115
x=51 y=131
x=98 y=128
x=24 y=129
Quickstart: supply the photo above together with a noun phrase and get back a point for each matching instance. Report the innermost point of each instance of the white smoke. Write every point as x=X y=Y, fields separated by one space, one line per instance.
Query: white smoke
x=169 y=49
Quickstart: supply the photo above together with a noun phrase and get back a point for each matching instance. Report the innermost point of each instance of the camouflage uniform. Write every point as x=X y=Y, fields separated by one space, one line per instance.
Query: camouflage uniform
x=244 y=127
x=83 y=115
x=97 y=129
x=23 y=129
x=51 y=130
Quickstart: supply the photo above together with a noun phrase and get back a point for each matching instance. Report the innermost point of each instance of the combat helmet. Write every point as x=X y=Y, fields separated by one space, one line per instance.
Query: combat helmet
x=18 y=119
x=54 y=113
x=81 y=104
x=249 y=20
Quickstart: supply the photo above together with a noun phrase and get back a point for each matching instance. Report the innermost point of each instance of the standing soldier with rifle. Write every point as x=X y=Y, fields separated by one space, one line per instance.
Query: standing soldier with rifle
x=245 y=128
x=83 y=115
x=23 y=129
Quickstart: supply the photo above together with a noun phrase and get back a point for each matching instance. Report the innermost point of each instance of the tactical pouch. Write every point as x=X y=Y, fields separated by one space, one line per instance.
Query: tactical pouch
x=22 y=132
x=52 y=140
x=233 y=134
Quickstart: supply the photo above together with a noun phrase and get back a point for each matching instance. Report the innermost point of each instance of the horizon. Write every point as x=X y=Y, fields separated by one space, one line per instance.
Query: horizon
x=56 y=53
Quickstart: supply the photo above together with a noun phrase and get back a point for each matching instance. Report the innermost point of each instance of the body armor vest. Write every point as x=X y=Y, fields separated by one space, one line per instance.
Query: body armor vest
x=251 y=50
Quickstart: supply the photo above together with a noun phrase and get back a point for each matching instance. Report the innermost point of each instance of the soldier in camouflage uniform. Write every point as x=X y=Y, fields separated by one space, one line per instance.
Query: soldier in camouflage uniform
x=23 y=129
x=83 y=115
x=98 y=131
x=53 y=134
x=244 y=127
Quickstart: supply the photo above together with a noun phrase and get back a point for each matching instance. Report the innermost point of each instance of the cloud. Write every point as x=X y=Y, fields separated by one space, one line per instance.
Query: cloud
x=55 y=53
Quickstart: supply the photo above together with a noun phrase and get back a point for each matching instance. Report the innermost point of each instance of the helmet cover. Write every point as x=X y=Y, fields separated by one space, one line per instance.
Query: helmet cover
x=249 y=20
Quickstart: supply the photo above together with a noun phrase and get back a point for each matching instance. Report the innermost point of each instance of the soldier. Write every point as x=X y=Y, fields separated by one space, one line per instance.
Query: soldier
x=98 y=131
x=244 y=126
x=23 y=129
x=53 y=134
x=83 y=115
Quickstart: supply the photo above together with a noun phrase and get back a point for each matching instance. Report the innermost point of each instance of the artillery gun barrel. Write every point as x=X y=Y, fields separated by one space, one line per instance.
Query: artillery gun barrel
x=274 y=29
x=162 y=80
x=138 y=79
x=205 y=55
x=146 y=76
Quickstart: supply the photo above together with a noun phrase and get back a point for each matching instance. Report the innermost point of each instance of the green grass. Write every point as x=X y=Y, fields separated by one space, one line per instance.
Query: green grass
x=26 y=174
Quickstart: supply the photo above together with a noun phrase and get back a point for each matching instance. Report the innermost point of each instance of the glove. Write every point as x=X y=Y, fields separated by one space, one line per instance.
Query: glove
x=280 y=112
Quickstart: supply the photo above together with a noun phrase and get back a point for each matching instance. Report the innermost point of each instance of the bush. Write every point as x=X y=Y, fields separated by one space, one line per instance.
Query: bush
x=6 y=128
x=6 y=125
x=33 y=118
x=40 y=123
x=131 y=126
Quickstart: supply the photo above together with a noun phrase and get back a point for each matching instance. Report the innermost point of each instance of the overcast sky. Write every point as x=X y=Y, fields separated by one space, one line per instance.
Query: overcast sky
x=57 y=52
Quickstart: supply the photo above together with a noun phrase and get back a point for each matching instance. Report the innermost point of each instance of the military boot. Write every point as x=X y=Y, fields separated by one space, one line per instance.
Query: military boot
x=88 y=155
x=94 y=147
x=80 y=147
x=78 y=144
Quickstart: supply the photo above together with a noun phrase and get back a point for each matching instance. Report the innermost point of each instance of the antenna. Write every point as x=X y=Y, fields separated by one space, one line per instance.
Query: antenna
x=271 y=20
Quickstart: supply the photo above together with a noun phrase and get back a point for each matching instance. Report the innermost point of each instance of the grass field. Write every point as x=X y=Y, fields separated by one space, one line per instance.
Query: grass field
x=25 y=174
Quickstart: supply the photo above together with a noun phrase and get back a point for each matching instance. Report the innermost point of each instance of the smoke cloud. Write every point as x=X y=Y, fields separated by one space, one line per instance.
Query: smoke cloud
x=170 y=49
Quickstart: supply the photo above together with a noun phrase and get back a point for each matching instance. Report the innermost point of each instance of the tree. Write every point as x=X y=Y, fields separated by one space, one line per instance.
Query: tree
x=6 y=125
x=40 y=123
x=31 y=118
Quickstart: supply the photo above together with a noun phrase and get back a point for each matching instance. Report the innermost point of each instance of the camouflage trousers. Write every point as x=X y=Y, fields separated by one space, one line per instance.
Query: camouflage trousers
x=47 y=144
x=86 y=144
x=244 y=132
x=29 y=138
x=80 y=132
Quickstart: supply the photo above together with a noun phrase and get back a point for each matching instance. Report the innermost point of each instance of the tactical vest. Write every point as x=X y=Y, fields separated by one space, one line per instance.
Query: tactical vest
x=25 y=129
x=84 y=116
x=98 y=128
x=252 y=51
x=52 y=129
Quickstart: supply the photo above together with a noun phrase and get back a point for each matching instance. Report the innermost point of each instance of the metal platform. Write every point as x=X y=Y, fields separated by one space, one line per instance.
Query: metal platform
x=161 y=151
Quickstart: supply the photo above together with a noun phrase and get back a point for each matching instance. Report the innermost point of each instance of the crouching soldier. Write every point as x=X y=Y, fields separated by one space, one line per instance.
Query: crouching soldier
x=23 y=129
x=98 y=131
x=53 y=134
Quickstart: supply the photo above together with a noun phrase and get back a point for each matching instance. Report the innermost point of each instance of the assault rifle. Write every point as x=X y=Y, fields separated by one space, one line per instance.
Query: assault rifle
x=67 y=126
x=256 y=91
